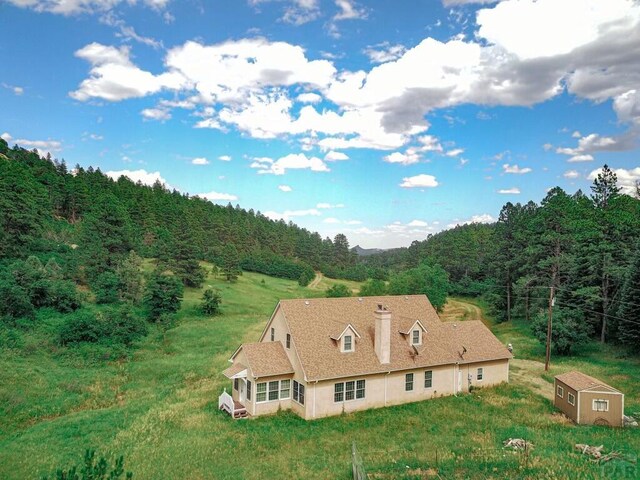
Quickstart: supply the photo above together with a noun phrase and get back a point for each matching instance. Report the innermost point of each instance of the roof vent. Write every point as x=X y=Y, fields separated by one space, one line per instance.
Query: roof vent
x=380 y=307
x=454 y=325
x=406 y=297
x=306 y=302
x=359 y=299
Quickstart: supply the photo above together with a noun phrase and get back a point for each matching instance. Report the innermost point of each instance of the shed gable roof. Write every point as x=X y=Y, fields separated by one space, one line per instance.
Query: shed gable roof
x=265 y=359
x=580 y=381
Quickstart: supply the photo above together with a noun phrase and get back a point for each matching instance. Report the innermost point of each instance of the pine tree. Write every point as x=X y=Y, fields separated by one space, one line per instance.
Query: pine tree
x=629 y=313
x=230 y=262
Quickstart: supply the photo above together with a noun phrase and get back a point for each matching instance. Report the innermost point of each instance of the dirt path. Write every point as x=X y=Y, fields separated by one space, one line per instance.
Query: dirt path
x=458 y=310
x=529 y=374
x=523 y=372
x=316 y=281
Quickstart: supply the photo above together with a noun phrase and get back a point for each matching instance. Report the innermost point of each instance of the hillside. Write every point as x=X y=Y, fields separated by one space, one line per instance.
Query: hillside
x=159 y=409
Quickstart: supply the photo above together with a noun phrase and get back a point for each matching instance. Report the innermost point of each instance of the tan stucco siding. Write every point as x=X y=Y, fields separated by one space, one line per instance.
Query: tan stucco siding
x=562 y=403
x=493 y=373
x=589 y=416
x=280 y=330
x=380 y=390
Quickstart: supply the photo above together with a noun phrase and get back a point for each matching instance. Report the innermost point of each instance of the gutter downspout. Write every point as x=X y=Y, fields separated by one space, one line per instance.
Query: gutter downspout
x=385 y=388
x=315 y=386
x=455 y=386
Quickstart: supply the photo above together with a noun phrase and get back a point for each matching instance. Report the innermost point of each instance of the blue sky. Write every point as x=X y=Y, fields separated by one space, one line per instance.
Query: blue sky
x=383 y=120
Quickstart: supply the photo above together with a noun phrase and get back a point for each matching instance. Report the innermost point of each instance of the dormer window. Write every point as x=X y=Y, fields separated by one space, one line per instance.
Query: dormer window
x=416 y=337
x=347 y=343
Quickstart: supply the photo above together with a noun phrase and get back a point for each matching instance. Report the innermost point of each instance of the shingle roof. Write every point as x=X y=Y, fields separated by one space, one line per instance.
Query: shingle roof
x=312 y=322
x=233 y=370
x=266 y=359
x=580 y=381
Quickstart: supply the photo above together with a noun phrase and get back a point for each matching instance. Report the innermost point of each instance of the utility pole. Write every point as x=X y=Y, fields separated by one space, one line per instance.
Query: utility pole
x=549 y=324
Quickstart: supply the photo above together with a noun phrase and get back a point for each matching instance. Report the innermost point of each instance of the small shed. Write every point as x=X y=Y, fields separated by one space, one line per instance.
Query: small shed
x=587 y=400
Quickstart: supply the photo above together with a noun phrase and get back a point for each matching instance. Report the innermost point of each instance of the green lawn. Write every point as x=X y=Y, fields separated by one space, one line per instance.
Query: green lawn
x=160 y=410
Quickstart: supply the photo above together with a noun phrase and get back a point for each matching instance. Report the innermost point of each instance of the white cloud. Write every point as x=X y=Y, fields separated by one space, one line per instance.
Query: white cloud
x=384 y=52
x=218 y=197
x=419 y=181
x=75 y=7
x=510 y=191
x=42 y=146
x=454 y=3
x=16 y=90
x=581 y=158
x=296 y=12
x=627 y=178
x=333 y=156
x=576 y=134
x=247 y=84
x=571 y=174
x=547 y=147
x=331 y=220
x=417 y=223
x=159 y=114
x=515 y=169
x=309 y=98
x=146 y=178
x=325 y=206
x=284 y=188
x=224 y=158
x=200 y=161
x=289 y=214
x=293 y=161
x=408 y=158
x=455 y=152
x=483 y=218
x=429 y=143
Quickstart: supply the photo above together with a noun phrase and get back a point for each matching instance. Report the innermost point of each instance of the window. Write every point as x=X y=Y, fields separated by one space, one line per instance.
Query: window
x=338 y=392
x=360 y=389
x=348 y=343
x=288 y=340
x=601 y=405
x=285 y=389
x=408 y=382
x=248 y=389
x=273 y=334
x=571 y=398
x=347 y=391
x=428 y=379
x=298 y=392
x=270 y=391
x=480 y=374
x=416 y=337
x=274 y=387
x=261 y=392
x=560 y=391
x=235 y=384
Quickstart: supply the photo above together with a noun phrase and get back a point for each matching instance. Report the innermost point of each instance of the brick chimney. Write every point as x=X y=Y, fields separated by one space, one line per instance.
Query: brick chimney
x=383 y=334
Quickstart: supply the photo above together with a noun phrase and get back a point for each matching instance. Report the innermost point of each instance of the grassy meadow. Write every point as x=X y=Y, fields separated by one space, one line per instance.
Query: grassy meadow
x=159 y=409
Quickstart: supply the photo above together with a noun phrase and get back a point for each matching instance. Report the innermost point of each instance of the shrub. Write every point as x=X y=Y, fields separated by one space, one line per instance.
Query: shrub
x=569 y=329
x=119 y=326
x=163 y=295
x=338 y=290
x=92 y=469
x=106 y=286
x=211 y=301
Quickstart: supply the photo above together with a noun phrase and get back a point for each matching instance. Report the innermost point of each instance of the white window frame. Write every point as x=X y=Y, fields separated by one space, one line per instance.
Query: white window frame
x=599 y=400
x=408 y=382
x=344 y=343
x=480 y=374
x=270 y=387
x=259 y=393
x=285 y=389
x=560 y=391
x=569 y=396
x=413 y=337
x=356 y=389
x=428 y=377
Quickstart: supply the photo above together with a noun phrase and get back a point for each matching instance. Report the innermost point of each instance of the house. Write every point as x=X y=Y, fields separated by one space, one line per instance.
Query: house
x=324 y=356
x=587 y=400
